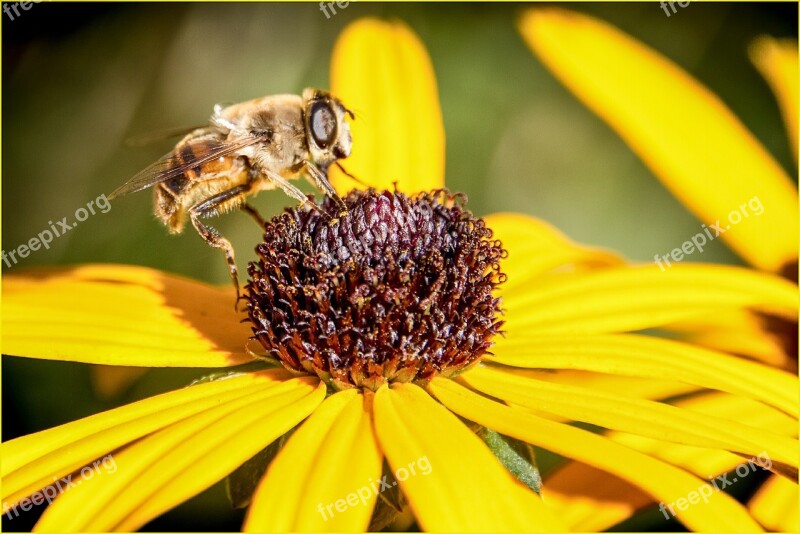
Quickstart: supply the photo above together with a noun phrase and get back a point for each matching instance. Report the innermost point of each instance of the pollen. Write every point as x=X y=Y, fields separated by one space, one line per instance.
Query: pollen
x=401 y=289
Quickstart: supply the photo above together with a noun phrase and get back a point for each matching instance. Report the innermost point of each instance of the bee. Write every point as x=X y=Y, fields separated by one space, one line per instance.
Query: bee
x=248 y=147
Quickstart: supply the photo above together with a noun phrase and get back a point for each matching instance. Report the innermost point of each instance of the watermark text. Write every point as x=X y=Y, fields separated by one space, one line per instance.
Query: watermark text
x=717 y=484
x=710 y=233
x=105 y=464
x=57 y=229
x=372 y=487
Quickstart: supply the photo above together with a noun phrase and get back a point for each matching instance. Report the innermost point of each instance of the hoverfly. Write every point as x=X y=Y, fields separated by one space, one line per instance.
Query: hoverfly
x=248 y=147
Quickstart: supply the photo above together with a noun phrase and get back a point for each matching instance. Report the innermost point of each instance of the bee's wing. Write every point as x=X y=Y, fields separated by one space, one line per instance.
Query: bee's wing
x=159 y=135
x=172 y=165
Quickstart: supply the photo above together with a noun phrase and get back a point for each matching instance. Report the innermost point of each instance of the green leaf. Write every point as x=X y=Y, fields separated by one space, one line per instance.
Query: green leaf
x=227 y=373
x=517 y=456
x=390 y=502
x=241 y=484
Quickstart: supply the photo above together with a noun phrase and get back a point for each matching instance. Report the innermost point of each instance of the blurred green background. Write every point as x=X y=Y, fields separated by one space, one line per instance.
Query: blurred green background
x=79 y=79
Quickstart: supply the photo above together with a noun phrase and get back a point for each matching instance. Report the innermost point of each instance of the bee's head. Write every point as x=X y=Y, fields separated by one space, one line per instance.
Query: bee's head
x=327 y=130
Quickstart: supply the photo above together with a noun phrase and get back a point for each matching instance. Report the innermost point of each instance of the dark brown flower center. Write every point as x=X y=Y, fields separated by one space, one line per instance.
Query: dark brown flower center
x=400 y=289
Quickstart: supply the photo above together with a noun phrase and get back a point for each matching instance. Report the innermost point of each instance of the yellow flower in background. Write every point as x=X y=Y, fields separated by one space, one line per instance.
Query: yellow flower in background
x=776 y=59
x=683 y=132
x=702 y=153
x=567 y=308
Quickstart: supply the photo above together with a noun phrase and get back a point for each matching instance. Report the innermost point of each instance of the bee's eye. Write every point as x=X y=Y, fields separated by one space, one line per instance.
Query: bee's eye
x=322 y=123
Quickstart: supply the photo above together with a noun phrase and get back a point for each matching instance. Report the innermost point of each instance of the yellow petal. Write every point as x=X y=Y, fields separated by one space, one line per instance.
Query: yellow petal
x=459 y=485
x=637 y=416
x=651 y=357
x=121 y=315
x=663 y=482
x=776 y=59
x=174 y=464
x=645 y=388
x=323 y=479
x=706 y=462
x=740 y=408
x=534 y=247
x=775 y=505
x=636 y=298
x=590 y=500
x=31 y=462
x=683 y=132
x=382 y=72
x=737 y=332
x=629 y=386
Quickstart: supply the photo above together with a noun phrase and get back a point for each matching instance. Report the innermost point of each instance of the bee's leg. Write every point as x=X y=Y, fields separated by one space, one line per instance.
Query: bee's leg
x=228 y=200
x=320 y=181
x=250 y=210
x=293 y=192
x=213 y=238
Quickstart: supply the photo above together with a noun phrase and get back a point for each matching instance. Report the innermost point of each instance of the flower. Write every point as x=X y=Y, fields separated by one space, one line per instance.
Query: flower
x=712 y=169
x=566 y=306
x=400 y=291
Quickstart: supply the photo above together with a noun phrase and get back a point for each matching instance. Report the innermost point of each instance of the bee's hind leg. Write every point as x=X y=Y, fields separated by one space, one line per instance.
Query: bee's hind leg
x=213 y=238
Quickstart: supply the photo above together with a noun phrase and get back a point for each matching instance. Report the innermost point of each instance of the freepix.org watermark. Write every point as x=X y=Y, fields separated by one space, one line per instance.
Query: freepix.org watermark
x=717 y=484
x=710 y=233
x=667 y=6
x=105 y=464
x=11 y=9
x=373 y=487
x=325 y=7
x=57 y=229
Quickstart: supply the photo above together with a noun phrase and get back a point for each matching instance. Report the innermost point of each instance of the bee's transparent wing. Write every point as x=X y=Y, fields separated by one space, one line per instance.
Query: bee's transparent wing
x=172 y=164
x=159 y=135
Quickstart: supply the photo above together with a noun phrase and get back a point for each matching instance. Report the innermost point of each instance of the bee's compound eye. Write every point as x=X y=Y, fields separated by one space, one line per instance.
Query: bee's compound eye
x=323 y=124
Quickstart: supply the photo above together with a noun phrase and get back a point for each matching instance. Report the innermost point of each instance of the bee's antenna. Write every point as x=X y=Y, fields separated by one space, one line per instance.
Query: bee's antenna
x=355 y=113
x=341 y=168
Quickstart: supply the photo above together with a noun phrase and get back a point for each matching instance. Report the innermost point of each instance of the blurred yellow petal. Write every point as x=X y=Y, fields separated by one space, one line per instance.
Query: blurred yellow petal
x=636 y=298
x=650 y=357
x=737 y=408
x=776 y=59
x=706 y=462
x=738 y=332
x=174 y=464
x=534 y=247
x=638 y=416
x=590 y=500
x=121 y=315
x=465 y=488
x=110 y=381
x=382 y=72
x=31 y=462
x=775 y=505
x=663 y=482
x=682 y=131
x=311 y=484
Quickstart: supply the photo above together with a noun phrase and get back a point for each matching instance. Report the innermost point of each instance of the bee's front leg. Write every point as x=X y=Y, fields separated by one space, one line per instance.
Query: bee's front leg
x=293 y=192
x=320 y=180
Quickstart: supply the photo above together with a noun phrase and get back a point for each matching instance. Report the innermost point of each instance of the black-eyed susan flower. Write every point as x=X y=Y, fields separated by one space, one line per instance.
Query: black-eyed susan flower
x=704 y=154
x=382 y=323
